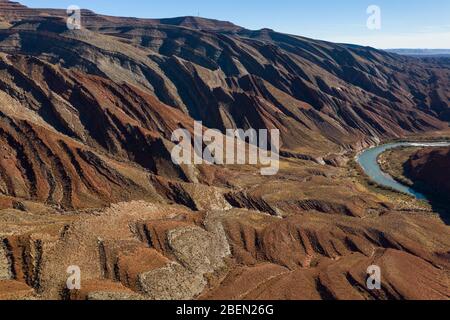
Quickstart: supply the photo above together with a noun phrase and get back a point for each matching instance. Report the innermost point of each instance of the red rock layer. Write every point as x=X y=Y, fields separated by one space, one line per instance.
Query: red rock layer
x=430 y=169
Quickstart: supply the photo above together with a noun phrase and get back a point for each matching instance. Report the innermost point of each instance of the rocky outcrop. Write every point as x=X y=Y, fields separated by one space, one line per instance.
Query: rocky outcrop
x=139 y=250
x=5 y=264
x=429 y=169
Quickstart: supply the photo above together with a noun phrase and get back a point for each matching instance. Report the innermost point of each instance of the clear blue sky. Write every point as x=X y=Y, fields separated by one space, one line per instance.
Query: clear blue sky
x=404 y=23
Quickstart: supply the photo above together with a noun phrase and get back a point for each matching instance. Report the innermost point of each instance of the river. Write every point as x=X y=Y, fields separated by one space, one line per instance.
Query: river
x=368 y=162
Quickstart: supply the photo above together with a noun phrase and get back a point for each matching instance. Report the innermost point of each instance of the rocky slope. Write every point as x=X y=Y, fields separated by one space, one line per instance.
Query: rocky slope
x=139 y=250
x=430 y=171
x=120 y=86
x=86 y=118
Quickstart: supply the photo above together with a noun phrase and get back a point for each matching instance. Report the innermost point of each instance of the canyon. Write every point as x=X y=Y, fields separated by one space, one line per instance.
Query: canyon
x=87 y=179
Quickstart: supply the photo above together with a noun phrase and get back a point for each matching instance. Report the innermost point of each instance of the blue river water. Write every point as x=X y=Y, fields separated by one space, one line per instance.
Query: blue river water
x=368 y=162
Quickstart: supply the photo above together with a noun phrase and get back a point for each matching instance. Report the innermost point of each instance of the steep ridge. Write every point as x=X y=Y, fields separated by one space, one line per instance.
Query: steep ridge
x=430 y=171
x=13 y=11
x=121 y=86
x=320 y=91
x=61 y=134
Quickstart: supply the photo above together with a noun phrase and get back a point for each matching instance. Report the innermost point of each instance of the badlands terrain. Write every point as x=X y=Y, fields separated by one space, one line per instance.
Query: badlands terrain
x=431 y=168
x=424 y=169
x=86 y=176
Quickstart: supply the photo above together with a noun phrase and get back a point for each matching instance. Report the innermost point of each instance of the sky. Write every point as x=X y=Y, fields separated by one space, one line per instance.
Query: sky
x=403 y=23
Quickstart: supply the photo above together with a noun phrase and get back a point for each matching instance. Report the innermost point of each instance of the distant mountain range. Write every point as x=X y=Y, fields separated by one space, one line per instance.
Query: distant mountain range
x=422 y=52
